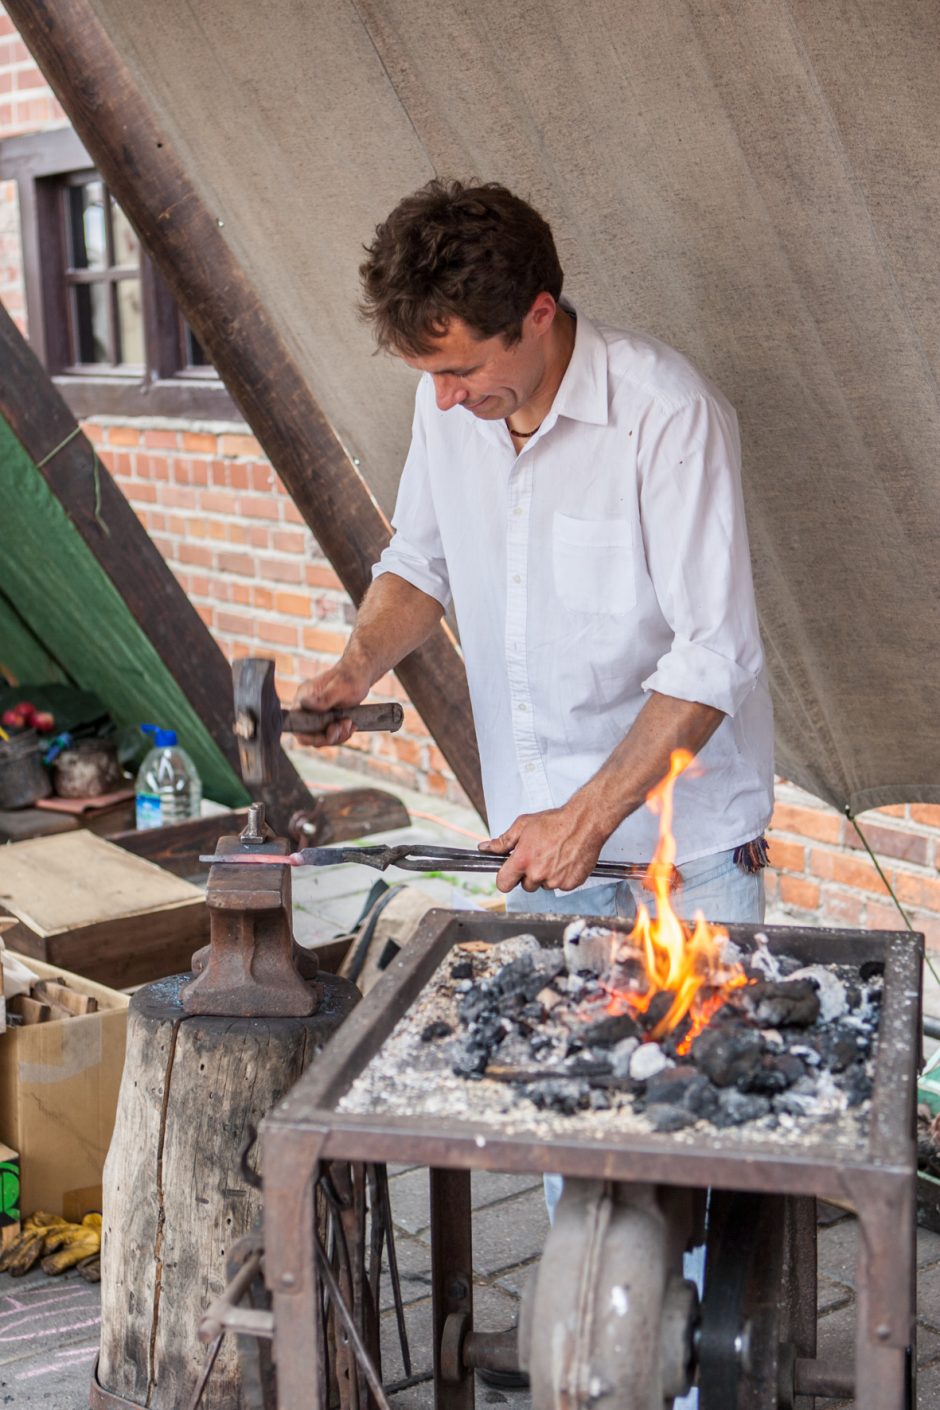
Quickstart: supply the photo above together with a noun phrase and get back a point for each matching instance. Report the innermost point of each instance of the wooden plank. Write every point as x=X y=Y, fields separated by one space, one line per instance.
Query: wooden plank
x=86 y=905
x=41 y=421
x=129 y=148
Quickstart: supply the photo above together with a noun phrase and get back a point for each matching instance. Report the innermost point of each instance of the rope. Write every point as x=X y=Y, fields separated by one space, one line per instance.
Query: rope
x=888 y=887
x=96 y=474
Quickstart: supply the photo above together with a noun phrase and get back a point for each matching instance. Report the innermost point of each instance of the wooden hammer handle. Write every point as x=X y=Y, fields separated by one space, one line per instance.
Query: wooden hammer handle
x=364 y=717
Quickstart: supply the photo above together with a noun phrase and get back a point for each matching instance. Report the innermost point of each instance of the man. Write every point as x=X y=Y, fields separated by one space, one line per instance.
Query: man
x=575 y=492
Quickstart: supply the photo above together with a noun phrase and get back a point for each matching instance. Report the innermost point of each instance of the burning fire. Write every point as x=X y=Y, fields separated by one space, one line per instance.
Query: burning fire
x=681 y=959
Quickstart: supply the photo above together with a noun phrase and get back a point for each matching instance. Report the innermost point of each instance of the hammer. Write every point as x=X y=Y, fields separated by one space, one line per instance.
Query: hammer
x=260 y=719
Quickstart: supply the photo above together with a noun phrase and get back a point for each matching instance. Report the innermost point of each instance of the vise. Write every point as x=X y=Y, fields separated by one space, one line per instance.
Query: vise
x=248 y=968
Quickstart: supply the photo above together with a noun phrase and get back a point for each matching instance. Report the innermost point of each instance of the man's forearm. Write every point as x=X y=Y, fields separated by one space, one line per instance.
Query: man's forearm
x=394 y=619
x=641 y=759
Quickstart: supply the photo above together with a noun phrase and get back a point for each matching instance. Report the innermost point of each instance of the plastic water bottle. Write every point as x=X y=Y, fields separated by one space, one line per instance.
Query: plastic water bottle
x=168 y=788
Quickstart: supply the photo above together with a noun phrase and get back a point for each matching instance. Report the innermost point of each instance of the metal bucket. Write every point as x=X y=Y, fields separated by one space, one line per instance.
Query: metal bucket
x=23 y=780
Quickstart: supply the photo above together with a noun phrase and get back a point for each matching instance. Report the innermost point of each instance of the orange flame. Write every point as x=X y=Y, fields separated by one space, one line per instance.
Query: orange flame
x=683 y=960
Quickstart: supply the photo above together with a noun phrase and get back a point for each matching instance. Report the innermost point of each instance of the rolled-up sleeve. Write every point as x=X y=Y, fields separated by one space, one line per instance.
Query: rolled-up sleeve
x=415 y=552
x=695 y=538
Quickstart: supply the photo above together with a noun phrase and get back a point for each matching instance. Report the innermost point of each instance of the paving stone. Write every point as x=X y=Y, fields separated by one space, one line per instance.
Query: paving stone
x=515 y=1279
x=414 y=1271
x=410 y=1200
x=830 y=1295
x=928 y=1247
x=505 y=1235
x=928 y=1296
x=836 y=1251
x=487 y=1186
x=928 y=1386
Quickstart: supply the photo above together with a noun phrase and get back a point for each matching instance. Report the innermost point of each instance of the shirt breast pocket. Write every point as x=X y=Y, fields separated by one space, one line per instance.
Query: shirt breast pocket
x=593 y=564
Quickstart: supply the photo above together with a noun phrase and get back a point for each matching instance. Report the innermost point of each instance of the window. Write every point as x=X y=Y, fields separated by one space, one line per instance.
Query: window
x=101 y=319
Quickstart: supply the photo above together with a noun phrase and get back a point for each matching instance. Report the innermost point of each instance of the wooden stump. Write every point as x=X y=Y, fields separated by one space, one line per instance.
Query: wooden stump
x=175 y=1198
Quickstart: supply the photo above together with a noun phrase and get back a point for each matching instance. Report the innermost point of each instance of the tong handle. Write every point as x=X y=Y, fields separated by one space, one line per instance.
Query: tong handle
x=387 y=716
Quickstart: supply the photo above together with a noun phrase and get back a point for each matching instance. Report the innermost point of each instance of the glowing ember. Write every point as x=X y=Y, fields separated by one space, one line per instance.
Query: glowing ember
x=684 y=960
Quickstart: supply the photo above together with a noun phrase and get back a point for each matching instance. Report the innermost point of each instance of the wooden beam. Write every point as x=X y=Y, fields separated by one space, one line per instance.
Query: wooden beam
x=188 y=245
x=41 y=422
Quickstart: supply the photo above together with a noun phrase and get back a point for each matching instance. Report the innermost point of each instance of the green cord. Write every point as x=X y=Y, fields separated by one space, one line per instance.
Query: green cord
x=96 y=474
x=888 y=887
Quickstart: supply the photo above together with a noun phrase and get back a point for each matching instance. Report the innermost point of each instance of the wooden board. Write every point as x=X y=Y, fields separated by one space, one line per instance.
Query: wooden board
x=83 y=903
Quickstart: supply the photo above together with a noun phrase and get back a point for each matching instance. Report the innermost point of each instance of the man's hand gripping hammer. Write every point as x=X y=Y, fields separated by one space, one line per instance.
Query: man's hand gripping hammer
x=260 y=719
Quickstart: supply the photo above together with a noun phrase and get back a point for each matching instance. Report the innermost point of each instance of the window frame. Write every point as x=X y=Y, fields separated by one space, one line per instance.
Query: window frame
x=42 y=163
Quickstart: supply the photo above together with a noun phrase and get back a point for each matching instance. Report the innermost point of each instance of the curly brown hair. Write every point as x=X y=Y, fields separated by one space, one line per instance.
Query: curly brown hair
x=478 y=253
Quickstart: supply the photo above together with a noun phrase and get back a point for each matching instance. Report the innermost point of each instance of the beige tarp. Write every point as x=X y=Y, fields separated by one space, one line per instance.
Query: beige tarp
x=755 y=181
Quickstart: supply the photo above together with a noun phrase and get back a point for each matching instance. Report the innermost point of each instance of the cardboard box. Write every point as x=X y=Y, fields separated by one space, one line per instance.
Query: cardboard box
x=59 y=1086
x=9 y=1195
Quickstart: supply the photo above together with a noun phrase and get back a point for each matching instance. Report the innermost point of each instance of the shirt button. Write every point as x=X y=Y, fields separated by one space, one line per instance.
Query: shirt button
x=517 y=577
x=522 y=705
x=518 y=510
x=530 y=768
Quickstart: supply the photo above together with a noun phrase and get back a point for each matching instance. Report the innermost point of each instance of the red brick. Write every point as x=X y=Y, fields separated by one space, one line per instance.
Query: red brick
x=927 y=814
x=259 y=506
x=120 y=463
x=891 y=810
x=229 y=561
x=883 y=915
x=194 y=553
x=281 y=570
x=235 y=445
x=235 y=623
x=846 y=870
x=199 y=585
x=199 y=441
x=319 y=575
x=287 y=541
x=277 y=633
x=290 y=513
x=889 y=842
x=842 y=907
x=408 y=751
x=178 y=497
x=316 y=639
x=218 y=502
x=807 y=822
x=292 y=604
x=921 y=891
x=240 y=593
x=262 y=477
x=218 y=529
x=162 y=440
x=95 y=434
x=123 y=436
x=786 y=856
x=795 y=891
x=144 y=494
x=206 y=613
x=258 y=535
x=263 y=599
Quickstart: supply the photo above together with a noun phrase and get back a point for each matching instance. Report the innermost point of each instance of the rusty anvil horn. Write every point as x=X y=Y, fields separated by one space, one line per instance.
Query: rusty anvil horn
x=260 y=719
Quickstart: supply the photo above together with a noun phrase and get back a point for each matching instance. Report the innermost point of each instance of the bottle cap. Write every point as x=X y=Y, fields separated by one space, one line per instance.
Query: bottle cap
x=162 y=738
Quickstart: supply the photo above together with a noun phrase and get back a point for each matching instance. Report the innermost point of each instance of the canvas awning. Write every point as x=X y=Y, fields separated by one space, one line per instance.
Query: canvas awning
x=754 y=182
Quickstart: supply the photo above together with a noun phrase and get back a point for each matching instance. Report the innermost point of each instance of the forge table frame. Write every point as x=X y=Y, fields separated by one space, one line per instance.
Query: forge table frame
x=876 y=1180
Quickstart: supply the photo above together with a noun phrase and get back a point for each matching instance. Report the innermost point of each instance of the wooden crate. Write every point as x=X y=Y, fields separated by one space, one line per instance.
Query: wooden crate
x=84 y=904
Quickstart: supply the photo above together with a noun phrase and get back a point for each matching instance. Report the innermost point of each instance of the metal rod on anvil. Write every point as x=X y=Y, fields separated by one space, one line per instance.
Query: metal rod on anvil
x=409 y=858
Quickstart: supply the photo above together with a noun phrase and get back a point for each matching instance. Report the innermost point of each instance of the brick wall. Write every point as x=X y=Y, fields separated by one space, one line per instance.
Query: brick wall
x=238 y=546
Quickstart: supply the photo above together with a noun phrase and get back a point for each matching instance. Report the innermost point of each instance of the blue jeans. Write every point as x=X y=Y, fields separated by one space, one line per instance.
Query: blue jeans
x=714 y=885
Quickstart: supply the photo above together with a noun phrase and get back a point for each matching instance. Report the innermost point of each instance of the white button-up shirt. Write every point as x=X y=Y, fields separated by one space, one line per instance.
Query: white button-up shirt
x=607 y=559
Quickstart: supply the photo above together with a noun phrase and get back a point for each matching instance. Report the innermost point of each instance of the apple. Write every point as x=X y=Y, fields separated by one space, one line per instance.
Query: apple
x=43 y=721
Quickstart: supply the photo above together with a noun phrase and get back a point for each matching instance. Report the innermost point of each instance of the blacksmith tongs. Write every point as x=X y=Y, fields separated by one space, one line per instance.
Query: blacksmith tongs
x=409 y=857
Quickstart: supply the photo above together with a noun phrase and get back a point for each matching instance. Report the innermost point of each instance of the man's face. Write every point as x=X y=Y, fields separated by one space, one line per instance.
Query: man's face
x=483 y=375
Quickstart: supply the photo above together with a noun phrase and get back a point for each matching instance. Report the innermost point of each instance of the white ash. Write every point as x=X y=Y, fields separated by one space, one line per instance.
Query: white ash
x=647 y=1060
x=833 y=999
x=592 y=1094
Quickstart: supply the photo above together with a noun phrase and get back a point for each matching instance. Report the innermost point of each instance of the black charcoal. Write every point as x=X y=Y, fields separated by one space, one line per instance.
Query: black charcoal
x=438 y=1029
x=664 y=1117
x=727 y=1054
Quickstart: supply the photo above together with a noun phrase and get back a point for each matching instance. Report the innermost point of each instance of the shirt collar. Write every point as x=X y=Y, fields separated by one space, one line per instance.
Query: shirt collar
x=582 y=393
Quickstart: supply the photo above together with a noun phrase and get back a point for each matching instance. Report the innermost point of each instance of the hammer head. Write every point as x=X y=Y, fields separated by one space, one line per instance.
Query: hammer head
x=258 y=719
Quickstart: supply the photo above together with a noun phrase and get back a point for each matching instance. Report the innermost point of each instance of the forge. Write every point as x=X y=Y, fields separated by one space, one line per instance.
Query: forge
x=635 y=1194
